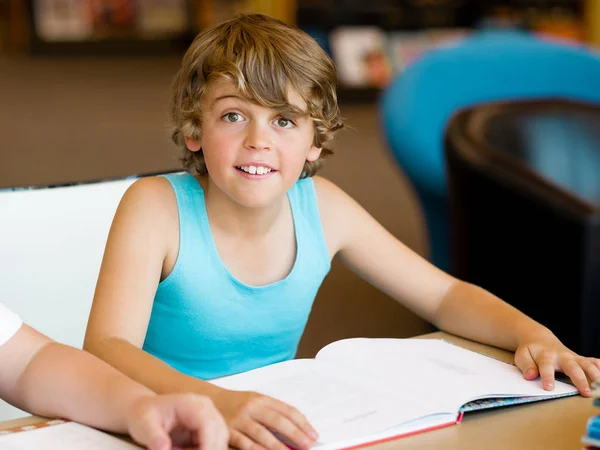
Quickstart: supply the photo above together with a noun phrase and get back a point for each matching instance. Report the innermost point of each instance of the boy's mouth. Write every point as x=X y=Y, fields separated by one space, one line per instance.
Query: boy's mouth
x=255 y=169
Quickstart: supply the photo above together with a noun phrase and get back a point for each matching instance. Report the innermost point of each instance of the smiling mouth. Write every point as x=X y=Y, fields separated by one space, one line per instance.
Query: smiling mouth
x=255 y=170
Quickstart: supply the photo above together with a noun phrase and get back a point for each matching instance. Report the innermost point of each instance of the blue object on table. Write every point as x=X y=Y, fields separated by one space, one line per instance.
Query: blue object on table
x=593 y=427
x=489 y=66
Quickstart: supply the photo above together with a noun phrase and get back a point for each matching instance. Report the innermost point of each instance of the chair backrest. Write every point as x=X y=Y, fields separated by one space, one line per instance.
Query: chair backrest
x=524 y=187
x=51 y=244
x=490 y=66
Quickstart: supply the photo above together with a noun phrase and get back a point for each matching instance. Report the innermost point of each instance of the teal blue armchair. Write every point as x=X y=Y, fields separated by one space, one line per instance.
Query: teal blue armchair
x=489 y=66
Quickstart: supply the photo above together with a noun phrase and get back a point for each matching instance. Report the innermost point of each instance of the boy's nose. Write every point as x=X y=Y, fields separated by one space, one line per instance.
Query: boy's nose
x=258 y=137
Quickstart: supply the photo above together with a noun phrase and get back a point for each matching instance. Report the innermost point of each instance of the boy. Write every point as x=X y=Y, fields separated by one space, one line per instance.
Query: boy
x=214 y=272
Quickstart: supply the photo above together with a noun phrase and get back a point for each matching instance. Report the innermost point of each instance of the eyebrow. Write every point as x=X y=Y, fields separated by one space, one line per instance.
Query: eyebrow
x=292 y=111
x=224 y=97
x=288 y=110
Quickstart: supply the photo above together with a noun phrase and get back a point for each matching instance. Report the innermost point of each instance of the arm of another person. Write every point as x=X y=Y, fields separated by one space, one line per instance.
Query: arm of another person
x=54 y=380
x=145 y=229
x=450 y=304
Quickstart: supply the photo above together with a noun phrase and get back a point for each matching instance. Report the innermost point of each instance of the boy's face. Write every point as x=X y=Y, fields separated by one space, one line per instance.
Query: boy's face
x=253 y=154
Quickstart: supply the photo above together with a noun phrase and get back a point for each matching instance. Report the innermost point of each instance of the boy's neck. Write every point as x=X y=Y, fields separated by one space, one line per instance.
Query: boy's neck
x=233 y=218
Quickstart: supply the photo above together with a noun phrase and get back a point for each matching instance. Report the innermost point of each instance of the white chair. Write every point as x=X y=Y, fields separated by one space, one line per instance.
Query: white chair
x=51 y=244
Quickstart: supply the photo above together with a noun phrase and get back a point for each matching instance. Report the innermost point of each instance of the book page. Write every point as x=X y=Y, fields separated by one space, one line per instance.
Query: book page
x=66 y=436
x=439 y=368
x=357 y=390
x=341 y=406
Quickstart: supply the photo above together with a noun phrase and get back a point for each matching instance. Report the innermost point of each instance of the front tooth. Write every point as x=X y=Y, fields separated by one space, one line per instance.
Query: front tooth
x=261 y=170
x=252 y=170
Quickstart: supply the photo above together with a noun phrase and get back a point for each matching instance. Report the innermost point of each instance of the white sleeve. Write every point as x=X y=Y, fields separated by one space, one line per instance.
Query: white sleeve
x=9 y=324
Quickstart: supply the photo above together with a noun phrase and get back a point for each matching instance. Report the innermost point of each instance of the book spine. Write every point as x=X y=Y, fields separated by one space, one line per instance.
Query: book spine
x=412 y=433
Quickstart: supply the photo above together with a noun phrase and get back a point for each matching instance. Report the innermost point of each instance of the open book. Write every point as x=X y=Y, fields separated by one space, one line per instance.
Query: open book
x=60 y=435
x=361 y=391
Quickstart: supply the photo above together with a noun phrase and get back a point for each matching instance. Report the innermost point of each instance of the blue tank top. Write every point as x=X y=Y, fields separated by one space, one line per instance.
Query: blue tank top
x=206 y=323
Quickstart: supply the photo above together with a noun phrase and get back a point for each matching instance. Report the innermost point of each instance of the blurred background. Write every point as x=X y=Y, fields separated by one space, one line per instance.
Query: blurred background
x=370 y=41
x=84 y=87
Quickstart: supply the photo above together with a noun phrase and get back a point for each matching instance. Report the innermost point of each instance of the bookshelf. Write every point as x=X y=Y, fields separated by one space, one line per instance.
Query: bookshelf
x=93 y=27
x=402 y=30
x=371 y=41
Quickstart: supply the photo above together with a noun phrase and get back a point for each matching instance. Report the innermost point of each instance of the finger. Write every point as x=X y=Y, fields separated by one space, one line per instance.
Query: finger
x=262 y=435
x=199 y=415
x=148 y=430
x=574 y=371
x=591 y=367
x=240 y=441
x=280 y=424
x=295 y=416
x=525 y=362
x=546 y=365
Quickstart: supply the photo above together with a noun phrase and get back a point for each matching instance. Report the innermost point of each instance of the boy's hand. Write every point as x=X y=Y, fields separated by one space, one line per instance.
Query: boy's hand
x=164 y=422
x=254 y=418
x=548 y=355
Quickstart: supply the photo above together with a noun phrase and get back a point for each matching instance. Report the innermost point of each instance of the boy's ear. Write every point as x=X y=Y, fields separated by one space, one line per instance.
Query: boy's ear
x=193 y=145
x=314 y=153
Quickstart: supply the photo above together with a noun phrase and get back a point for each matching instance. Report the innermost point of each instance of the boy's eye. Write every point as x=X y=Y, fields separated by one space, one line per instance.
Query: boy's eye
x=284 y=123
x=232 y=117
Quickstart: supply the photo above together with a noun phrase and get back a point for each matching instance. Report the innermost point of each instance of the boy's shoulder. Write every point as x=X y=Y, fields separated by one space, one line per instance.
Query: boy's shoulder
x=338 y=212
x=334 y=203
x=327 y=191
x=150 y=186
x=150 y=195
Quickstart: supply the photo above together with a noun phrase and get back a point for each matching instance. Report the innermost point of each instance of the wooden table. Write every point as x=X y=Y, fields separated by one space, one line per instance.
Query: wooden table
x=552 y=424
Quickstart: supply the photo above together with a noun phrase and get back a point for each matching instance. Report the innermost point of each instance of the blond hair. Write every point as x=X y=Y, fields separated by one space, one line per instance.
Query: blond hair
x=264 y=57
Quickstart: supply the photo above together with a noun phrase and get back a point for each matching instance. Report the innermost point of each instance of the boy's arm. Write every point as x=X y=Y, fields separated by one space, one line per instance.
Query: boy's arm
x=450 y=304
x=367 y=248
x=54 y=380
x=137 y=245
x=144 y=234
